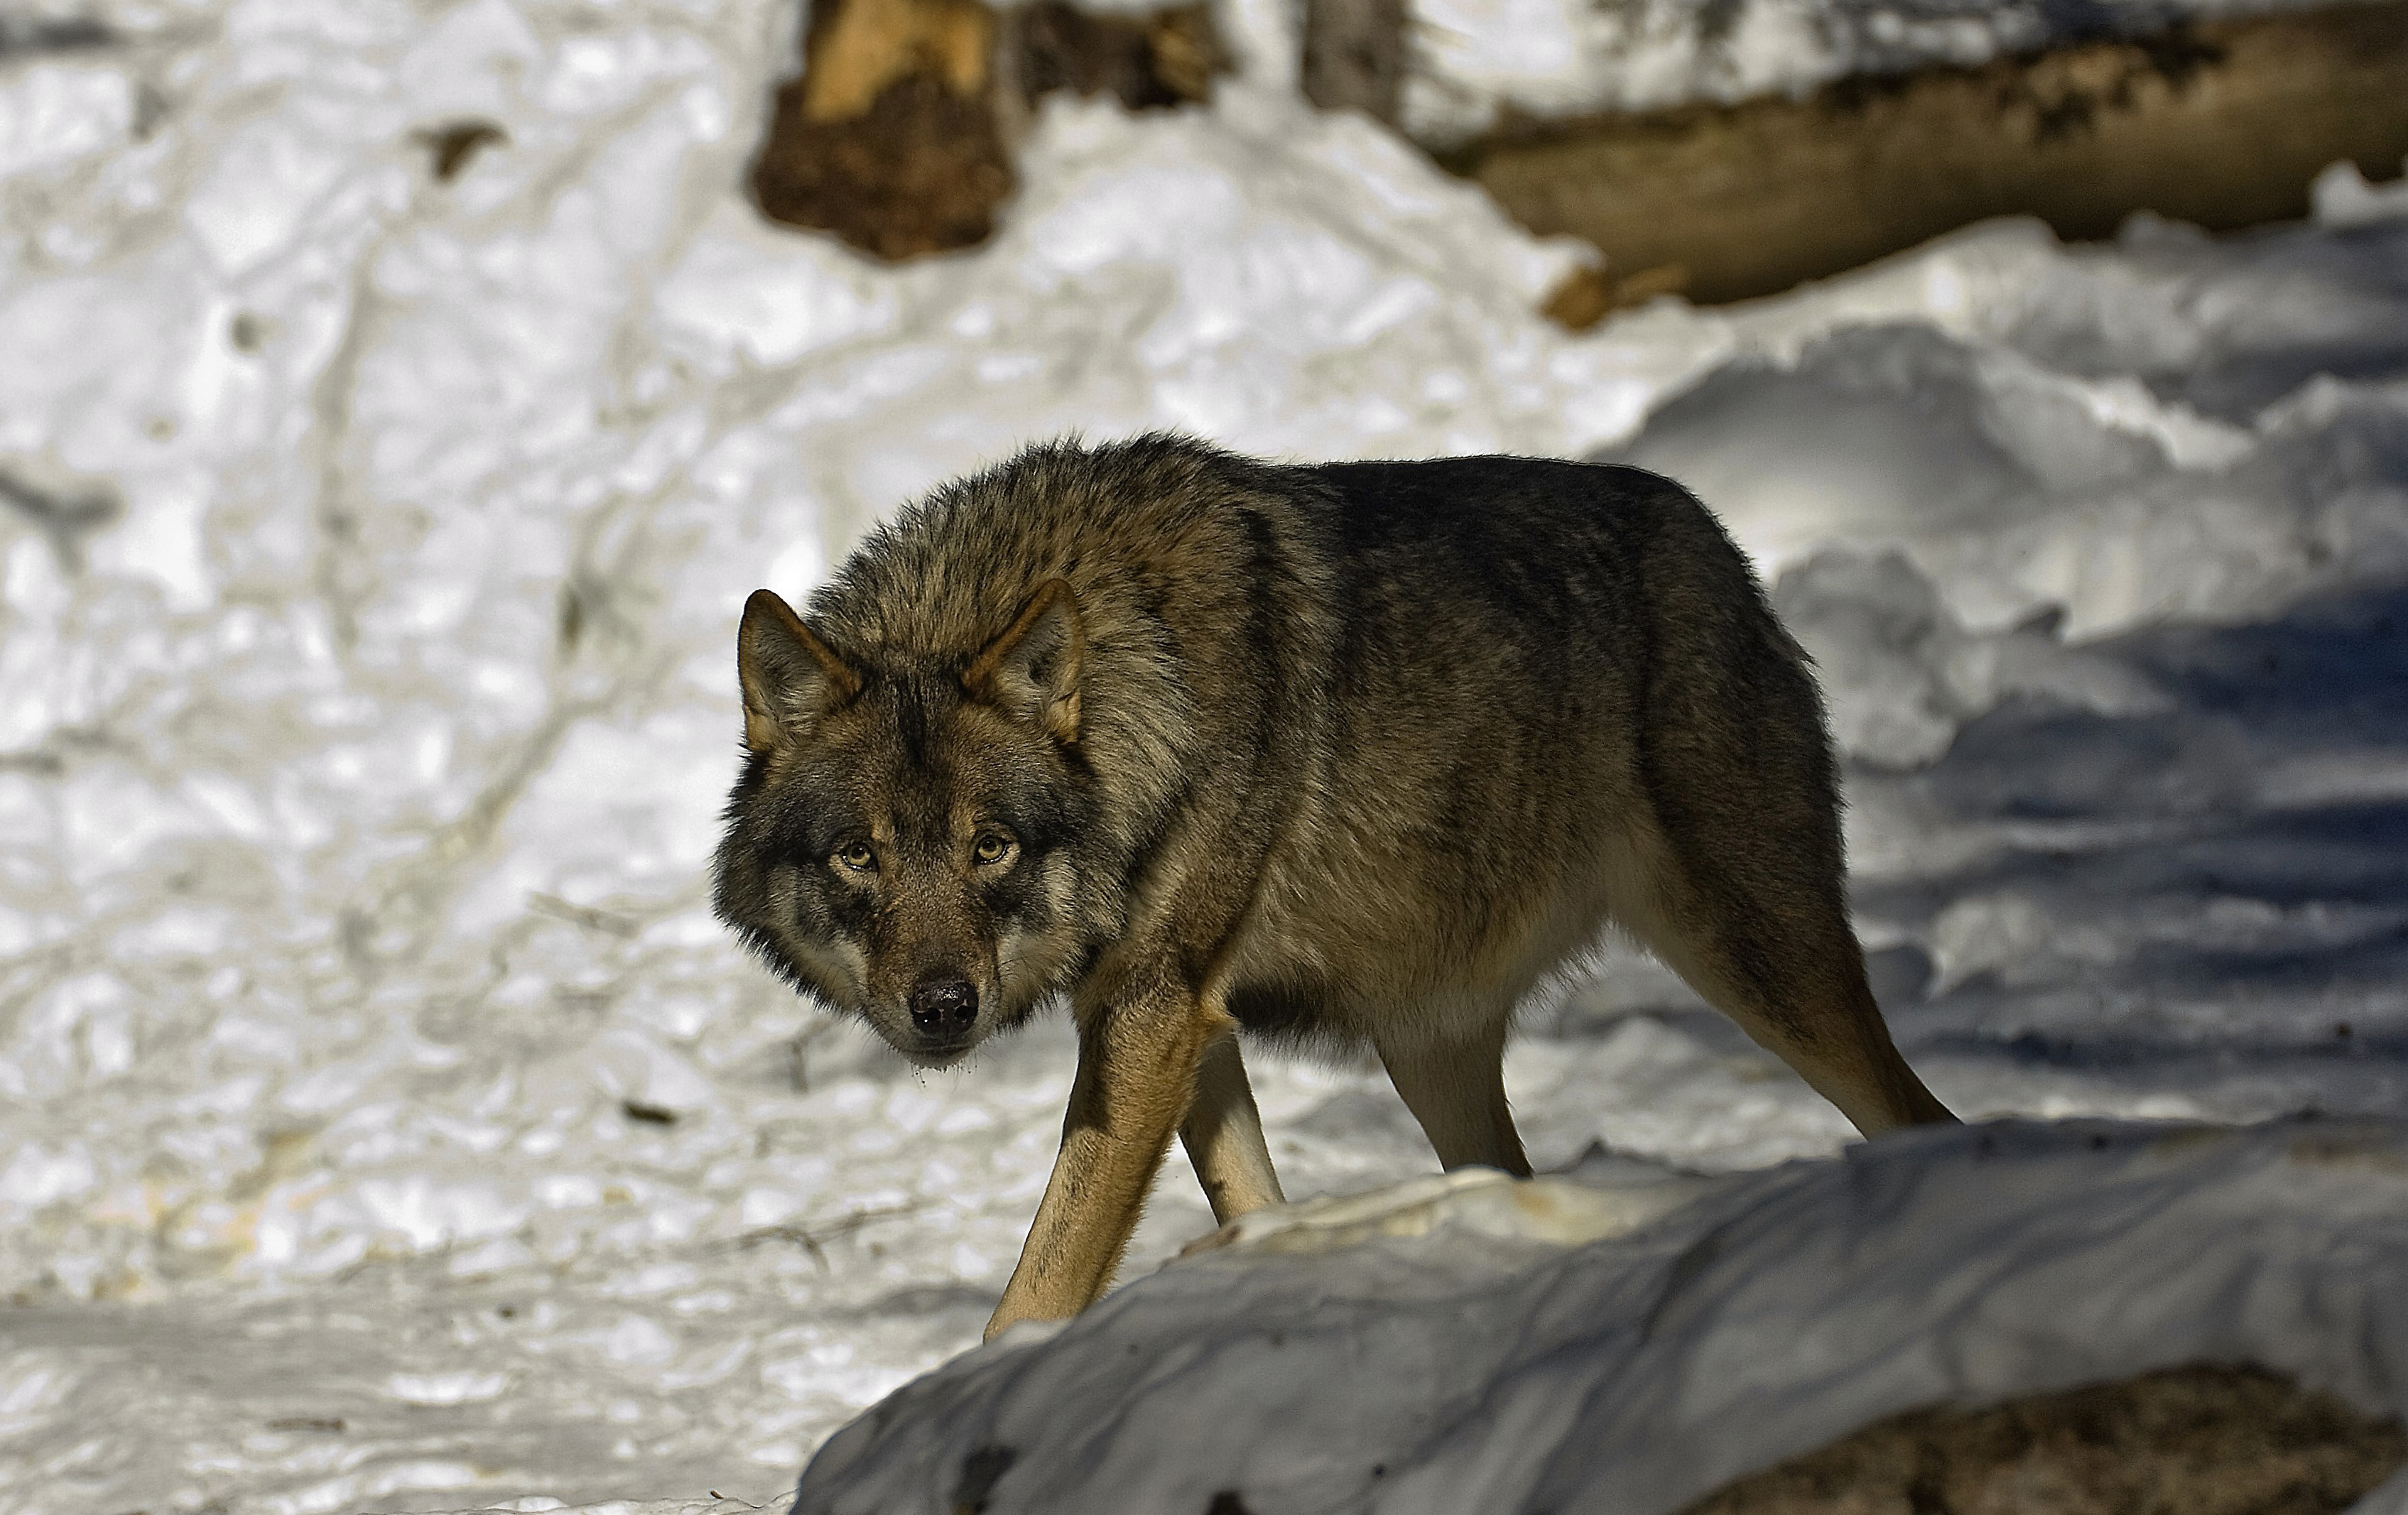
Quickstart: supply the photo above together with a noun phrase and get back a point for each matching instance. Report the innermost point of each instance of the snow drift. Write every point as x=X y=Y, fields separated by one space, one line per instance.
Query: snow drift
x=1446 y=1356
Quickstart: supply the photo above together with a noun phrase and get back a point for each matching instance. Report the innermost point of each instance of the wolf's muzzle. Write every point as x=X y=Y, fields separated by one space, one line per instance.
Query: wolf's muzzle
x=944 y=1008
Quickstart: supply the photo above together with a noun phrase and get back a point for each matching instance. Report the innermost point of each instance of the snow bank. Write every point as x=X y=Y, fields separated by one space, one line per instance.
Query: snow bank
x=539 y=1506
x=2123 y=435
x=1472 y=1366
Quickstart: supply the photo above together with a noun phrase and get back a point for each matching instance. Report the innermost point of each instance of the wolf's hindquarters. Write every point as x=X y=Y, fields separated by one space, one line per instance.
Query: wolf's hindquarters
x=1789 y=971
x=1746 y=893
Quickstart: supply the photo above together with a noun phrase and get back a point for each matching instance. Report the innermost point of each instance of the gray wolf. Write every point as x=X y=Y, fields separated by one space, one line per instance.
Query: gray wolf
x=1347 y=756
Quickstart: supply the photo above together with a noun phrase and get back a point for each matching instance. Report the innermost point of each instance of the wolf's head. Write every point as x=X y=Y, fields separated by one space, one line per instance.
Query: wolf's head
x=899 y=844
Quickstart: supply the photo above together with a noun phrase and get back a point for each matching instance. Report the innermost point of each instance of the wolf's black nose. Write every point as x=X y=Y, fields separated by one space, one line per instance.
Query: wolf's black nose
x=944 y=1006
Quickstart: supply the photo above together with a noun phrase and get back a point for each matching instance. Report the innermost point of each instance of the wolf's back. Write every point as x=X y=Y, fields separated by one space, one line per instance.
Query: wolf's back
x=1455 y=667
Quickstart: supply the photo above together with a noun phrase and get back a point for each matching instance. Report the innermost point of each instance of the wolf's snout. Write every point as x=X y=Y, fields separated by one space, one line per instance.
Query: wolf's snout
x=944 y=1006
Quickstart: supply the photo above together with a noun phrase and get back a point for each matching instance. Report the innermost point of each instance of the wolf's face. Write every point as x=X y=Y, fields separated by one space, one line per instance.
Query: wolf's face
x=899 y=844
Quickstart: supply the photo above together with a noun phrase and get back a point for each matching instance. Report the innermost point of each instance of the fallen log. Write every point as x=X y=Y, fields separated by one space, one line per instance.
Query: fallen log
x=2219 y=124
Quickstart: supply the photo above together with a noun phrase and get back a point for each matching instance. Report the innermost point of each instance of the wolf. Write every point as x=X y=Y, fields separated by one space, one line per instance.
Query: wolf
x=1347 y=756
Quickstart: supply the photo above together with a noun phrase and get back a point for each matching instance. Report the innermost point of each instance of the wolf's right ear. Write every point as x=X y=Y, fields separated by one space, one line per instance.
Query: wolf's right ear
x=790 y=676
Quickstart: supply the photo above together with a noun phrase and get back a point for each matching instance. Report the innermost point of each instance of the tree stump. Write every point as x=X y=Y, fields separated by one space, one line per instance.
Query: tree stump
x=897 y=134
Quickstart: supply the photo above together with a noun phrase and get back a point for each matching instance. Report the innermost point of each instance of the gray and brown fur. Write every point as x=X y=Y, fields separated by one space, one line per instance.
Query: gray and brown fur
x=1353 y=754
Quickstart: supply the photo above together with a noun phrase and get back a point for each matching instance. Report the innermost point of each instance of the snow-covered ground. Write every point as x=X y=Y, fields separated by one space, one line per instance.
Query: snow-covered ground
x=385 y=1125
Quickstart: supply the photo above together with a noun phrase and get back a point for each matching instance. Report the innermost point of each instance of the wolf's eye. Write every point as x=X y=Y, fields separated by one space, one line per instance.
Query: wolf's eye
x=991 y=848
x=857 y=856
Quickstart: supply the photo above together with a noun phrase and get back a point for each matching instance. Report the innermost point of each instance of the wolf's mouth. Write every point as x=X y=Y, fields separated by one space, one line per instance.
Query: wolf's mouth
x=939 y=1055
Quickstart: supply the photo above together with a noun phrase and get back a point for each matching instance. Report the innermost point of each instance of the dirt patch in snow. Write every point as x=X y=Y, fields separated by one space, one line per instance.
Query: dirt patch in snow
x=2200 y=1441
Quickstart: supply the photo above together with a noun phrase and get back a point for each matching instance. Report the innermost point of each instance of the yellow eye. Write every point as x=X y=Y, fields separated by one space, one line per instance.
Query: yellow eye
x=857 y=856
x=990 y=847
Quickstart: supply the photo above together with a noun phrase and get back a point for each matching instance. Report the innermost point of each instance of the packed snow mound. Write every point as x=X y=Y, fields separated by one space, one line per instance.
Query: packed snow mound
x=1601 y=1197
x=1469 y=1366
x=2118 y=440
x=541 y=1506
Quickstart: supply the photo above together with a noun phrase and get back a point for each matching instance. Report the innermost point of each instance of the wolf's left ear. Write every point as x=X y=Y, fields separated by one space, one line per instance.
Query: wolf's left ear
x=790 y=676
x=1032 y=671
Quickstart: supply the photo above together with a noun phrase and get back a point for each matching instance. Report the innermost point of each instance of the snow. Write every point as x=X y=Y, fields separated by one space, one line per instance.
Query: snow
x=385 y=1125
x=1449 y=1363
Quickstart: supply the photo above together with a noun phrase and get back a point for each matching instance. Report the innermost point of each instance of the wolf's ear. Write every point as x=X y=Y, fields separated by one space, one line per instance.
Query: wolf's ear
x=790 y=678
x=1032 y=671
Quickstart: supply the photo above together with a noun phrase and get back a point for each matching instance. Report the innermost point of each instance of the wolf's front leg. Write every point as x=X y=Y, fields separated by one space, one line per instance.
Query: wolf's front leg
x=1138 y=1062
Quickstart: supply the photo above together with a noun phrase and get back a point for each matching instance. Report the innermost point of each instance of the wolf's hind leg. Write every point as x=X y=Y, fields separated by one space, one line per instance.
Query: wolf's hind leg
x=1737 y=874
x=1456 y=1088
x=1223 y=1135
x=1768 y=944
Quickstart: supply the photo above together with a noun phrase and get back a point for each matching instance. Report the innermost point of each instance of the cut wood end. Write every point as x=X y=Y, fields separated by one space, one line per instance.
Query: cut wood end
x=1588 y=294
x=866 y=46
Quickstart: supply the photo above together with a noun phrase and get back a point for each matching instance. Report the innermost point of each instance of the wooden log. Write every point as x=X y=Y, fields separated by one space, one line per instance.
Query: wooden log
x=1153 y=62
x=896 y=135
x=2223 y=124
x=889 y=137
